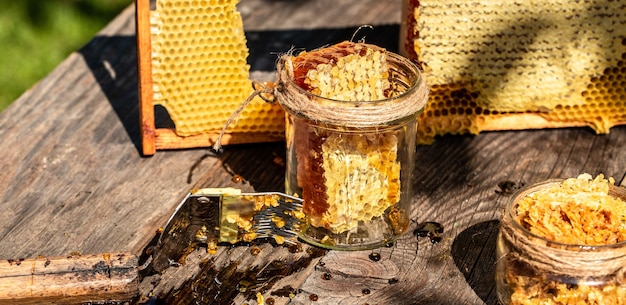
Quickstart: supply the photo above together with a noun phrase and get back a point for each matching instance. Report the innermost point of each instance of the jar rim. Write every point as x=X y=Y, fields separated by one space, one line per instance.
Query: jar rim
x=510 y=212
x=390 y=55
x=296 y=100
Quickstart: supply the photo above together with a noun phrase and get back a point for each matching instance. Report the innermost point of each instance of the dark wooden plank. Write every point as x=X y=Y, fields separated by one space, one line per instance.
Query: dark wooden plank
x=69 y=279
x=304 y=14
x=73 y=178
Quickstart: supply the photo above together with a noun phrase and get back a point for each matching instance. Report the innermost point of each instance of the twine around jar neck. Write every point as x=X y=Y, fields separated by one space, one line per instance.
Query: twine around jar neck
x=351 y=113
x=298 y=101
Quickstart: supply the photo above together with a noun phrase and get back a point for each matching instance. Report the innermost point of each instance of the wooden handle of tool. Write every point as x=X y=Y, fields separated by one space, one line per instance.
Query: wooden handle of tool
x=75 y=279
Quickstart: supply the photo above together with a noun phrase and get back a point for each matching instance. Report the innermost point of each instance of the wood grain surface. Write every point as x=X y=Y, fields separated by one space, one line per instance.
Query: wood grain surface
x=73 y=279
x=73 y=178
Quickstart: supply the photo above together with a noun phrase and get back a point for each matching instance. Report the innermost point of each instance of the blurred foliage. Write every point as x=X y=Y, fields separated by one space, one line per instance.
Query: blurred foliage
x=36 y=35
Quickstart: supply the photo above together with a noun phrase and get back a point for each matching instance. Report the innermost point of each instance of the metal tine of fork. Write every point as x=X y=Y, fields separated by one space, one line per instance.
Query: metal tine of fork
x=264 y=225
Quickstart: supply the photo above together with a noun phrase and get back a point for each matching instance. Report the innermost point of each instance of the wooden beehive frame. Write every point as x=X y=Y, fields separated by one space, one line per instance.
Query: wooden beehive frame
x=144 y=67
x=153 y=138
x=201 y=126
x=505 y=68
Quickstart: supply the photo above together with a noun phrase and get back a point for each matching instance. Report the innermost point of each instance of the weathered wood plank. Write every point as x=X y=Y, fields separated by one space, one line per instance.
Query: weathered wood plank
x=73 y=179
x=76 y=279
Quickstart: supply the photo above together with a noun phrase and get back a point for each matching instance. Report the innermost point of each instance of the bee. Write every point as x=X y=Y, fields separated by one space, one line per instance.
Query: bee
x=430 y=229
x=17 y=262
x=255 y=250
x=507 y=188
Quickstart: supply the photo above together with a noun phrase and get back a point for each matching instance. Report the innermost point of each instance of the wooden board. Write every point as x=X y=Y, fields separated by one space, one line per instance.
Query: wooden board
x=75 y=279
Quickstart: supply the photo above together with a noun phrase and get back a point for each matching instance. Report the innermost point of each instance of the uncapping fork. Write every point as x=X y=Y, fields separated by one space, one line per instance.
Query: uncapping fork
x=226 y=215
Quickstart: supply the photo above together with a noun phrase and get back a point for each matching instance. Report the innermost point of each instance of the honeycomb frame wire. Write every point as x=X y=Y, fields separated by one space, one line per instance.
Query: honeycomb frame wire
x=192 y=61
x=513 y=65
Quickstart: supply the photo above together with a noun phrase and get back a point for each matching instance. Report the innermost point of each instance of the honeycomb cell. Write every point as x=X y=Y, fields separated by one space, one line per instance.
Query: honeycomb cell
x=518 y=59
x=201 y=81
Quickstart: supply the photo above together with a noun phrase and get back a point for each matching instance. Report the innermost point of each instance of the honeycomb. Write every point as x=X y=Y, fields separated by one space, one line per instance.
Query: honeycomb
x=497 y=65
x=200 y=72
x=364 y=181
x=345 y=176
x=579 y=211
x=346 y=71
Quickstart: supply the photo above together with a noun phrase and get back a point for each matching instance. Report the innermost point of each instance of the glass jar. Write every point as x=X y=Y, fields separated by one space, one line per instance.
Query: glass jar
x=355 y=176
x=532 y=269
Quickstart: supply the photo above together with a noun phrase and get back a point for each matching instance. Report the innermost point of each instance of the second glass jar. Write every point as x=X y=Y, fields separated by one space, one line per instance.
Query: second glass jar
x=534 y=270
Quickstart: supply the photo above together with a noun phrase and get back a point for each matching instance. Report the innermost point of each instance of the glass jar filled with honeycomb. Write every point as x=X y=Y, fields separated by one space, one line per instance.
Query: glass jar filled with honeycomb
x=564 y=242
x=351 y=129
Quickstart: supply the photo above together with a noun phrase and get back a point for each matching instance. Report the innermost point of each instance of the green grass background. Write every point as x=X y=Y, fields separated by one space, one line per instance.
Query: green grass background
x=36 y=35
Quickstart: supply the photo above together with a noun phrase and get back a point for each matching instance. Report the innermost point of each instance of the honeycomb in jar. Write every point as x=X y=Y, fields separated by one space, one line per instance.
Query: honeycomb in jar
x=346 y=177
x=310 y=174
x=346 y=71
x=361 y=182
x=199 y=69
x=577 y=211
x=498 y=65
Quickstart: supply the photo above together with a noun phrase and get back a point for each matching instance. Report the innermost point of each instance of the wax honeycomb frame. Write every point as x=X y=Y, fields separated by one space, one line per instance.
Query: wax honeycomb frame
x=192 y=61
x=512 y=65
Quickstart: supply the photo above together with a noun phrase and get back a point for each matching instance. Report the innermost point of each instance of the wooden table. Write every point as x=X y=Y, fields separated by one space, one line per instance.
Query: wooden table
x=73 y=178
